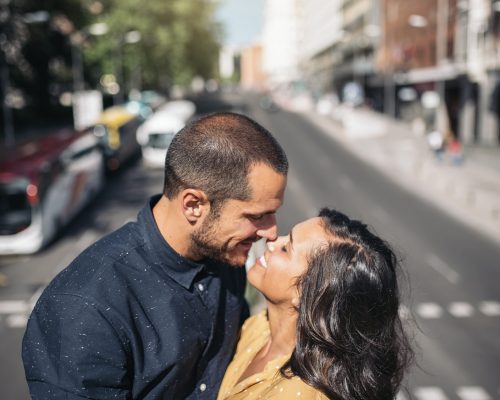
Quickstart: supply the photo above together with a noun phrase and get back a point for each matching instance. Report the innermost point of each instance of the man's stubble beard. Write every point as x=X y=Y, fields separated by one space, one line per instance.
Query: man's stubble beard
x=204 y=242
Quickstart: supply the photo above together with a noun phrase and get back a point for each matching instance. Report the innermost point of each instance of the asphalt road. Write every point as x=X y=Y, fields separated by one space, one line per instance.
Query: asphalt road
x=452 y=271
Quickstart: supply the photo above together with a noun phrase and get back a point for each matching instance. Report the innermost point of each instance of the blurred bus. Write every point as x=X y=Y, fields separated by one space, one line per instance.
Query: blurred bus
x=44 y=183
x=117 y=129
x=157 y=132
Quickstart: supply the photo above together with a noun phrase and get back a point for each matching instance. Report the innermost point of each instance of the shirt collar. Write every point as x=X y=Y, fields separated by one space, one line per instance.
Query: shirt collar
x=179 y=268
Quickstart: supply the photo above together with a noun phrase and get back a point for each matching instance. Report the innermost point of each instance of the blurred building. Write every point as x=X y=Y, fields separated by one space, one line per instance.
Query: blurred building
x=280 y=41
x=417 y=54
x=338 y=43
x=226 y=62
x=446 y=47
x=252 y=76
x=319 y=43
x=361 y=27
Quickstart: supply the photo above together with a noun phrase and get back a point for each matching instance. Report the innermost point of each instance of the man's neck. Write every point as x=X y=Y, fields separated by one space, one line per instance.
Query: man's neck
x=172 y=227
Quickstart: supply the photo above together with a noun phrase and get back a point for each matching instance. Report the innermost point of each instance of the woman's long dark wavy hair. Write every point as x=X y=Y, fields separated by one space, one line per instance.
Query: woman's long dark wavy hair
x=351 y=344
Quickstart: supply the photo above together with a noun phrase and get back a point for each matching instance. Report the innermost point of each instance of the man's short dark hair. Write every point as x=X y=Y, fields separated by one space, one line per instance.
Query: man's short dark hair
x=214 y=153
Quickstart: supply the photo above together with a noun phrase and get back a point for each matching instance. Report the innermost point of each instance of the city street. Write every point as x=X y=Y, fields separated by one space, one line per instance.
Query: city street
x=452 y=272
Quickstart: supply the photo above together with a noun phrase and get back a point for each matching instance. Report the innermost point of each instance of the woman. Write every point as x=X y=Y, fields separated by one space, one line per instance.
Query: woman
x=331 y=329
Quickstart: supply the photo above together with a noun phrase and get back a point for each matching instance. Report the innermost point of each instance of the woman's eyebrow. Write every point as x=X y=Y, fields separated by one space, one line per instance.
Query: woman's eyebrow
x=291 y=238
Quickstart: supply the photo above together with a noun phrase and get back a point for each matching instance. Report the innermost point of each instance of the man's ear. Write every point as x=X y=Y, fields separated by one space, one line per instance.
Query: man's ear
x=195 y=205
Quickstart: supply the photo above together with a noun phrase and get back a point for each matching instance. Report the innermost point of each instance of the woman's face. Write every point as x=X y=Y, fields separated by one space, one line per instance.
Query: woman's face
x=275 y=273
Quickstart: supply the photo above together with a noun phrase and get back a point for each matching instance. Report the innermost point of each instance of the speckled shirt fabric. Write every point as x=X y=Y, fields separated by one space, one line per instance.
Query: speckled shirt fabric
x=267 y=384
x=131 y=319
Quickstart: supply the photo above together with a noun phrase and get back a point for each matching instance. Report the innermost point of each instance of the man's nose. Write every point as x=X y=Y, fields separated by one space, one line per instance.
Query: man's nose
x=268 y=230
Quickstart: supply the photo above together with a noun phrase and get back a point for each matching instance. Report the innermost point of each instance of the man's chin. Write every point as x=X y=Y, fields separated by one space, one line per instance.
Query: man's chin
x=237 y=260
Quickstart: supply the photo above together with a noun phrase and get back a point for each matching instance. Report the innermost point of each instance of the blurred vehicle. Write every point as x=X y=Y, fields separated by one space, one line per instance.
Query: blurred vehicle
x=152 y=98
x=157 y=132
x=139 y=108
x=44 y=183
x=117 y=128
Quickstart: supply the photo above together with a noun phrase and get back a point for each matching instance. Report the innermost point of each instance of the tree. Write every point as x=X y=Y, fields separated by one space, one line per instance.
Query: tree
x=179 y=40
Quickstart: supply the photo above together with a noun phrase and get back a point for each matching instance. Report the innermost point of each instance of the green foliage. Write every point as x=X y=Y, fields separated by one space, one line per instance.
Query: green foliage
x=178 y=40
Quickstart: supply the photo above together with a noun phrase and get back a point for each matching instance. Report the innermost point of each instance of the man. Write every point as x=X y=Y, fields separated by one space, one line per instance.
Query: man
x=152 y=311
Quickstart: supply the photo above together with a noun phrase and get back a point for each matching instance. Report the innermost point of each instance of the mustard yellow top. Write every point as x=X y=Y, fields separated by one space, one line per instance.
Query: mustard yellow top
x=268 y=384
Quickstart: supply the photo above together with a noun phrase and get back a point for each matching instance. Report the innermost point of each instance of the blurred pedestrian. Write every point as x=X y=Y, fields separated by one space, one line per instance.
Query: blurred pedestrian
x=332 y=328
x=436 y=144
x=153 y=310
x=456 y=151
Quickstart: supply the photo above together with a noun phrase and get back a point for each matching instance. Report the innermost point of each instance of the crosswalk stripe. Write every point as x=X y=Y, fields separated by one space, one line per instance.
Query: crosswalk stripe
x=430 y=393
x=429 y=310
x=16 y=321
x=490 y=308
x=473 y=393
x=461 y=309
x=13 y=306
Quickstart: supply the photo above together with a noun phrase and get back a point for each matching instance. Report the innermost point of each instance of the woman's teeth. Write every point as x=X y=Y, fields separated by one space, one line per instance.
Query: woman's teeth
x=262 y=261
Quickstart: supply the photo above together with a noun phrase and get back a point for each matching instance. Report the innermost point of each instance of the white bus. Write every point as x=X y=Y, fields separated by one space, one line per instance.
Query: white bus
x=44 y=183
x=156 y=133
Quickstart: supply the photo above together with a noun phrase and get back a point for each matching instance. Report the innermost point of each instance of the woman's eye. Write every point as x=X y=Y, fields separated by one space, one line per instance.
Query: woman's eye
x=283 y=248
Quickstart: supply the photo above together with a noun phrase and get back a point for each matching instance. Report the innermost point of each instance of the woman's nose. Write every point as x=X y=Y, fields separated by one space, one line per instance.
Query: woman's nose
x=272 y=244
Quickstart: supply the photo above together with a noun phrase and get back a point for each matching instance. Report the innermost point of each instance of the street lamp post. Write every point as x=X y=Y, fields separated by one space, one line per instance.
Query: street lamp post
x=77 y=38
x=130 y=37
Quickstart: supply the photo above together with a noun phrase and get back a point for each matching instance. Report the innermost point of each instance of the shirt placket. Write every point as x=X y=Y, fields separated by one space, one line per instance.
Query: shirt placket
x=208 y=292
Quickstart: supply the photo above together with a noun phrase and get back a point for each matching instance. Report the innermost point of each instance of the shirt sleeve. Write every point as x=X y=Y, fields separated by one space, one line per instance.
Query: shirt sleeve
x=72 y=351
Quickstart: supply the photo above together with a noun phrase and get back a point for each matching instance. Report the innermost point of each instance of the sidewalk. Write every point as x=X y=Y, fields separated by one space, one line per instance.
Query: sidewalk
x=470 y=192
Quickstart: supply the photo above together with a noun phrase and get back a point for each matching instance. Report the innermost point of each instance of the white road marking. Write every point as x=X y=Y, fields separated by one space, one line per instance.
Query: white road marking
x=461 y=309
x=16 y=321
x=473 y=393
x=490 y=308
x=429 y=310
x=13 y=306
x=430 y=393
x=440 y=266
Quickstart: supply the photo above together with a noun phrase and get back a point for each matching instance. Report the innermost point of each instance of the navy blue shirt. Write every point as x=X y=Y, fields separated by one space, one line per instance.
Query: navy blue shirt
x=130 y=318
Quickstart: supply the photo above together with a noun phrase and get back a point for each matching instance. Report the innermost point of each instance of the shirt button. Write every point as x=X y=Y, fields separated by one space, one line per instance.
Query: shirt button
x=201 y=287
x=203 y=387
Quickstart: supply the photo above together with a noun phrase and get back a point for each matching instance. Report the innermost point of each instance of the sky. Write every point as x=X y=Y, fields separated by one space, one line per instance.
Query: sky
x=242 y=20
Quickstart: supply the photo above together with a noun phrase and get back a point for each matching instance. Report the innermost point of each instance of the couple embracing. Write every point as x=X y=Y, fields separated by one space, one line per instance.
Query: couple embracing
x=156 y=309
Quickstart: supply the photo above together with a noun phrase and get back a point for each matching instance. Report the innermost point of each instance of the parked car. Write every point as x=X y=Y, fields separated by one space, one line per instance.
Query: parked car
x=117 y=128
x=157 y=132
x=44 y=183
